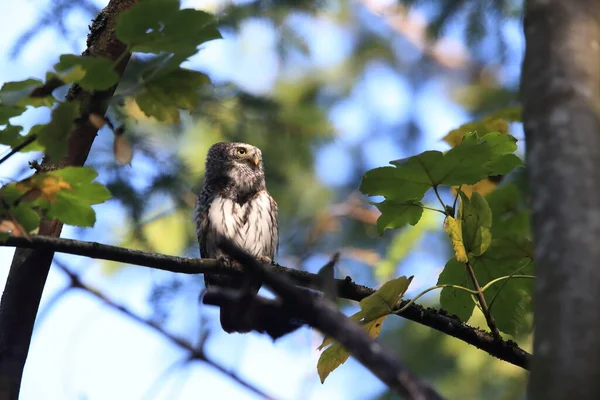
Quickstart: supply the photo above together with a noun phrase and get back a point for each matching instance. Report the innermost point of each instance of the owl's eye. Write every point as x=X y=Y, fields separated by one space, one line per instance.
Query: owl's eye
x=241 y=152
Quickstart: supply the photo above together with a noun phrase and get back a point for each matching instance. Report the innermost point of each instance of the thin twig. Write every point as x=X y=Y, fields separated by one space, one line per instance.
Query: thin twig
x=347 y=289
x=18 y=148
x=484 y=308
x=195 y=353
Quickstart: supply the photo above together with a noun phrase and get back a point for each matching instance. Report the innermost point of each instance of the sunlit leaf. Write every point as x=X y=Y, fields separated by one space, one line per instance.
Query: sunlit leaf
x=155 y=26
x=385 y=299
x=70 y=209
x=454 y=229
x=92 y=73
x=336 y=355
x=46 y=185
x=469 y=162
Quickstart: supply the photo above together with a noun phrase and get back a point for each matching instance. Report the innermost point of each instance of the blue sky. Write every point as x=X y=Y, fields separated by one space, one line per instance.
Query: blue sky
x=82 y=348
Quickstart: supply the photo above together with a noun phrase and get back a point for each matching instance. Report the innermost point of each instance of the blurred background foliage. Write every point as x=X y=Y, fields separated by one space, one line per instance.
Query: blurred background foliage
x=327 y=89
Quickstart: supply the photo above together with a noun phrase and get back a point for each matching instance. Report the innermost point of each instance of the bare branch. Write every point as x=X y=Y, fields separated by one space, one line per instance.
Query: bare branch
x=195 y=353
x=439 y=320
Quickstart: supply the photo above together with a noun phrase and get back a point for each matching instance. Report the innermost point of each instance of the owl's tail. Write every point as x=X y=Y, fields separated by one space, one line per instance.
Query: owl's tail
x=233 y=319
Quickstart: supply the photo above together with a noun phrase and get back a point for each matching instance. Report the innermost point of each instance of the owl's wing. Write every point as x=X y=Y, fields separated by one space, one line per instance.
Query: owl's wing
x=275 y=226
x=202 y=223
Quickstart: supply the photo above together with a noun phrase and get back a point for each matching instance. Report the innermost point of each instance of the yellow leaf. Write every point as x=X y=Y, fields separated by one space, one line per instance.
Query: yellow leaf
x=46 y=188
x=330 y=359
x=328 y=340
x=454 y=230
x=483 y=187
x=385 y=299
x=336 y=355
x=373 y=328
x=122 y=150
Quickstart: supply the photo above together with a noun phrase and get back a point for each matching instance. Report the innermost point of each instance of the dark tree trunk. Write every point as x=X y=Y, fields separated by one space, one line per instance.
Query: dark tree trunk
x=29 y=268
x=560 y=89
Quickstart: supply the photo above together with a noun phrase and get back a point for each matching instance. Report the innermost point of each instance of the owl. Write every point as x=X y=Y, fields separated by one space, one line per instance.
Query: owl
x=234 y=202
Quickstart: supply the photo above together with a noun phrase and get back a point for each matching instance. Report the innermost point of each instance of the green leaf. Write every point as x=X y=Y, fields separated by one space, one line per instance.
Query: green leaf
x=163 y=97
x=511 y=298
x=19 y=94
x=510 y=215
x=407 y=181
x=476 y=222
x=395 y=214
x=385 y=299
x=71 y=210
x=27 y=217
x=456 y=301
x=502 y=146
x=470 y=161
x=53 y=136
x=80 y=179
x=10 y=136
x=8 y=112
x=92 y=73
x=155 y=26
x=75 y=175
x=66 y=194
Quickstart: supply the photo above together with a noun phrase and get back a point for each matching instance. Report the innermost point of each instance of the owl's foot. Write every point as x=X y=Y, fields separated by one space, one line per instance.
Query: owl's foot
x=264 y=259
x=224 y=260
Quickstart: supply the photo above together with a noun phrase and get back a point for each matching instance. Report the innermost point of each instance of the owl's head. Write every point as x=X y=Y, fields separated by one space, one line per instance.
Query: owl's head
x=241 y=163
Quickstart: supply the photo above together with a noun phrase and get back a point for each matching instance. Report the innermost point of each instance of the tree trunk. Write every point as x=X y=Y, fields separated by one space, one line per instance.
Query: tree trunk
x=29 y=268
x=560 y=90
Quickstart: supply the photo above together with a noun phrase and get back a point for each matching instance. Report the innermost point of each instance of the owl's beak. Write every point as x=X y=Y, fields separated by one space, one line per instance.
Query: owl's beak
x=255 y=159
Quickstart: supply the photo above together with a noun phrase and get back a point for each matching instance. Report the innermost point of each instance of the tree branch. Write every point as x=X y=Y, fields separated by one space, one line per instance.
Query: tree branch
x=322 y=314
x=195 y=353
x=437 y=319
x=29 y=269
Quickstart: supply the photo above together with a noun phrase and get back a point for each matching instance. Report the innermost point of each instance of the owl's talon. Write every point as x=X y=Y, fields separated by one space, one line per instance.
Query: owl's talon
x=264 y=259
x=225 y=261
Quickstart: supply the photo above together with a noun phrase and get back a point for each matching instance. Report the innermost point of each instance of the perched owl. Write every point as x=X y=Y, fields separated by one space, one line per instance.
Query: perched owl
x=234 y=202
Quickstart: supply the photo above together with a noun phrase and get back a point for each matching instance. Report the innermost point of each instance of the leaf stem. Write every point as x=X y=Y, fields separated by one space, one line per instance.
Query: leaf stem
x=433 y=209
x=429 y=290
x=512 y=275
x=437 y=193
x=484 y=308
x=456 y=199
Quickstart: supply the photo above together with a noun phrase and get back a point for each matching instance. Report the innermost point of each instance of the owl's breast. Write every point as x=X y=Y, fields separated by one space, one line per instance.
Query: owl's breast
x=248 y=224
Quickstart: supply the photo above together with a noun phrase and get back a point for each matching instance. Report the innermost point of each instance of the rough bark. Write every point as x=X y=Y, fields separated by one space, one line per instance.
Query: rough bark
x=560 y=90
x=29 y=268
